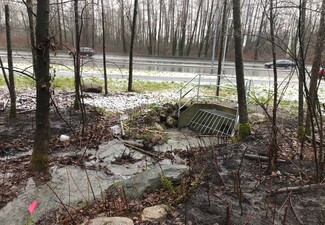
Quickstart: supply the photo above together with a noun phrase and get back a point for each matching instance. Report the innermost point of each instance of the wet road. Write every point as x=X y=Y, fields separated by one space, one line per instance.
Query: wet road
x=184 y=68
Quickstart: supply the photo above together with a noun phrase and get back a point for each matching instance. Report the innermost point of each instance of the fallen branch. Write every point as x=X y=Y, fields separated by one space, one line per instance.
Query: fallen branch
x=262 y=158
x=296 y=188
x=122 y=128
x=140 y=150
x=133 y=143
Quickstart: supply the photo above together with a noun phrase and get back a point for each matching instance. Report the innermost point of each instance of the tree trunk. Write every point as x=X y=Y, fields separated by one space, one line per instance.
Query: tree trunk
x=258 y=38
x=123 y=27
x=312 y=94
x=12 y=91
x=181 y=44
x=77 y=100
x=63 y=23
x=222 y=39
x=39 y=159
x=202 y=27
x=273 y=151
x=189 y=45
x=302 y=74
x=93 y=27
x=134 y=23
x=59 y=23
x=31 y=31
x=241 y=90
x=104 y=48
x=208 y=34
x=150 y=46
x=315 y=69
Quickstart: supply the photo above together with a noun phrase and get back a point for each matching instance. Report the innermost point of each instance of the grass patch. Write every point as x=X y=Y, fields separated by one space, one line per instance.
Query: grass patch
x=67 y=83
x=151 y=86
x=20 y=81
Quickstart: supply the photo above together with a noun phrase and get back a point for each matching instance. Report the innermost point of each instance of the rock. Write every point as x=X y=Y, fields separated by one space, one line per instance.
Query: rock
x=89 y=86
x=150 y=179
x=158 y=127
x=155 y=213
x=64 y=138
x=156 y=138
x=63 y=184
x=171 y=122
x=116 y=130
x=109 y=221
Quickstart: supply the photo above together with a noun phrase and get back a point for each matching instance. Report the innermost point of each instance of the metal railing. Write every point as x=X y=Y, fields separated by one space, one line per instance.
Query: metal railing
x=192 y=90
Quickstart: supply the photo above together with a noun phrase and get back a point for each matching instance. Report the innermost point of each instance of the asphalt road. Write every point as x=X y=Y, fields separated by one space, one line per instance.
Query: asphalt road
x=175 y=69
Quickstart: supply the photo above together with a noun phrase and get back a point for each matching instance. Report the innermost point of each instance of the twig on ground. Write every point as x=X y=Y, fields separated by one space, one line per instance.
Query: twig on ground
x=262 y=158
x=238 y=182
x=294 y=212
x=257 y=184
x=141 y=150
x=285 y=202
x=296 y=188
x=66 y=209
x=249 y=218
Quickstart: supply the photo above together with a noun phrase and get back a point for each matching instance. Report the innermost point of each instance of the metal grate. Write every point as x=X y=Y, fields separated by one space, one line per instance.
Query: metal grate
x=207 y=121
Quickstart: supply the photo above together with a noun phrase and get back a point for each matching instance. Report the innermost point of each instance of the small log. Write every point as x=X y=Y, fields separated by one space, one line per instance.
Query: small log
x=134 y=143
x=296 y=188
x=140 y=150
x=262 y=158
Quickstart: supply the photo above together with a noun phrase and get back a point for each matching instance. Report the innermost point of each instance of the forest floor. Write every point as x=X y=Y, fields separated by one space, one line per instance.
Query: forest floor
x=225 y=184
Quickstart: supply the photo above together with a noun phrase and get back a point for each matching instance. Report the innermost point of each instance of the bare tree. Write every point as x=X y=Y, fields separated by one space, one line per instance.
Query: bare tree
x=181 y=44
x=259 y=35
x=76 y=56
x=302 y=72
x=311 y=117
x=244 y=128
x=133 y=30
x=104 y=47
x=58 y=12
x=39 y=159
x=273 y=151
x=150 y=35
x=190 y=41
x=122 y=26
x=11 y=87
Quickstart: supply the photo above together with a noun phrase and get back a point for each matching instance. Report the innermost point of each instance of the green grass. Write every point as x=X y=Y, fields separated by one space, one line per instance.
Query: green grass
x=67 y=83
x=20 y=82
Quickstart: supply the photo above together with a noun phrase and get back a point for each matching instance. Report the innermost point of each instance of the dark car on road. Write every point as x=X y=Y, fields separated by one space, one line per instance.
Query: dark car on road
x=284 y=63
x=84 y=51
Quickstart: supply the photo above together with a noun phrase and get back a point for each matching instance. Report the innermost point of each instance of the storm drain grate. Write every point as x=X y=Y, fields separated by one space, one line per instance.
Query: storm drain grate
x=213 y=122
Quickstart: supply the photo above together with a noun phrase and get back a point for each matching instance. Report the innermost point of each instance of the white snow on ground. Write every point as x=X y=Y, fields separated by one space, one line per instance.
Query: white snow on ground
x=123 y=101
x=261 y=87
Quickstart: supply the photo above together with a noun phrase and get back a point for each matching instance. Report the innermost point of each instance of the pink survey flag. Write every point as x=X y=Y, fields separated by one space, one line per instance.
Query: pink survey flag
x=32 y=207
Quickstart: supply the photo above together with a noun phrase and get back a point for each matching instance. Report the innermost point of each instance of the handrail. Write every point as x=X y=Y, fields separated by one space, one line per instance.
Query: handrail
x=187 y=83
x=196 y=87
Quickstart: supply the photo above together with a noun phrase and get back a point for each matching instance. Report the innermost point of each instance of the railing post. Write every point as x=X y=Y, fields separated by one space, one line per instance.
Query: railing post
x=179 y=104
x=198 y=88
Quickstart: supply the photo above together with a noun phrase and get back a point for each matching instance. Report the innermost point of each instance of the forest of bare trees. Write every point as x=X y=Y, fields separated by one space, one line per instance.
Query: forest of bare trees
x=170 y=27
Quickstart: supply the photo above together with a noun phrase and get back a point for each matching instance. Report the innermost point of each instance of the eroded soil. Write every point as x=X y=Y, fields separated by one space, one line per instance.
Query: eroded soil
x=222 y=186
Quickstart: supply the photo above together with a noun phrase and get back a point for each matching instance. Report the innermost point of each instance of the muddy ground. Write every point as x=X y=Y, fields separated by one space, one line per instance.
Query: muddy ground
x=222 y=186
